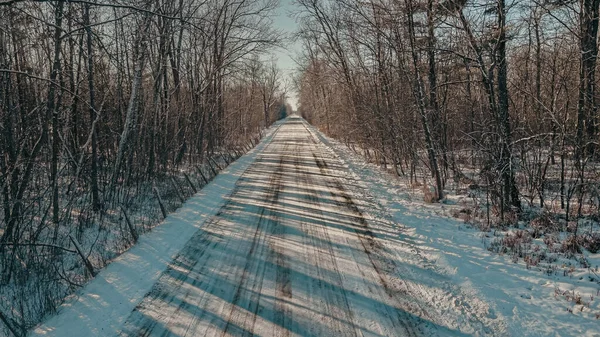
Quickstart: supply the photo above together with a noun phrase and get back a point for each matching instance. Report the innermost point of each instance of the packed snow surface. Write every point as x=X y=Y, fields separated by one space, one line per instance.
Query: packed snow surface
x=525 y=301
x=300 y=238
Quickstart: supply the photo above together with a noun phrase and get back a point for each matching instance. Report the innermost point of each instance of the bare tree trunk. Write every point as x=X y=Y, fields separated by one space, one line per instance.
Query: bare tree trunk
x=96 y=204
x=436 y=122
x=586 y=108
x=52 y=108
x=511 y=192
x=136 y=87
x=420 y=98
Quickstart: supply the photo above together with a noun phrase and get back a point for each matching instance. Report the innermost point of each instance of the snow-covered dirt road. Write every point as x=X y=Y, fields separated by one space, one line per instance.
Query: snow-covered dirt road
x=291 y=251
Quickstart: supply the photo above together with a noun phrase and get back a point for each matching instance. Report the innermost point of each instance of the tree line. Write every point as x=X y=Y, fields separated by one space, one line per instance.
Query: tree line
x=497 y=95
x=98 y=99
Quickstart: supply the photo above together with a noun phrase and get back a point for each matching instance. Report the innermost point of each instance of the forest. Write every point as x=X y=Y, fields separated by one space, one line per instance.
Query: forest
x=114 y=113
x=494 y=99
x=108 y=108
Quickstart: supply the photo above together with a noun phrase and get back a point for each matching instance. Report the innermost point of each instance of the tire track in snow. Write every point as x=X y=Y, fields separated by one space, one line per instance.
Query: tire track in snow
x=323 y=258
x=446 y=306
x=237 y=314
x=286 y=256
x=283 y=281
x=164 y=293
x=369 y=247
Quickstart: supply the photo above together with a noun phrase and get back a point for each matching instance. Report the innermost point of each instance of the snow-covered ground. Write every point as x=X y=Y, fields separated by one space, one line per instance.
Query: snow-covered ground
x=530 y=301
x=101 y=307
x=302 y=237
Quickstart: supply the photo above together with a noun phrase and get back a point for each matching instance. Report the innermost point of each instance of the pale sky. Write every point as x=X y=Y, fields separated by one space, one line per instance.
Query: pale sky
x=285 y=61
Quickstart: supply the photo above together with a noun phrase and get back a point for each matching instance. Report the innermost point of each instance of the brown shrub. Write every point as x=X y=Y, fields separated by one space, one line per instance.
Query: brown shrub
x=591 y=242
x=544 y=224
x=570 y=246
x=429 y=196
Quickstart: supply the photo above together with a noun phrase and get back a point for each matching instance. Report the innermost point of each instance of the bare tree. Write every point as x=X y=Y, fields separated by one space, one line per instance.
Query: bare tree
x=111 y=99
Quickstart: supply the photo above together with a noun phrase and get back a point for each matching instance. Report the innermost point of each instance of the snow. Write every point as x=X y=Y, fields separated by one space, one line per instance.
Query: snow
x=449 y=278
x=284 y=256
x=528 y=302
x=101 y=307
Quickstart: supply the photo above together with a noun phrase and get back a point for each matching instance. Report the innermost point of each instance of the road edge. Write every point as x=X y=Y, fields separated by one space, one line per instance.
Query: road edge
x=101 y=307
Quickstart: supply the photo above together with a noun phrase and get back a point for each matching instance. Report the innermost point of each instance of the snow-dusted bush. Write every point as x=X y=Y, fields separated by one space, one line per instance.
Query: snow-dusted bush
x=591 y=242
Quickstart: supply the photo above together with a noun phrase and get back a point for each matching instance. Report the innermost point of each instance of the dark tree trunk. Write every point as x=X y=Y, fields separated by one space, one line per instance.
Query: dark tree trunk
x=52 y=109
x=96 y=204
x=422 y=107
x=511 y=192
x=586 y=108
